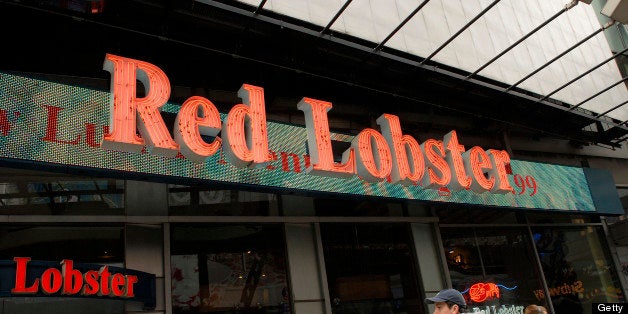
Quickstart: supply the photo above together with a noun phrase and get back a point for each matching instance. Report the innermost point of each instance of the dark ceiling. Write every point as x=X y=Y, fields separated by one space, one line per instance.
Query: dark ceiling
x=213 y=50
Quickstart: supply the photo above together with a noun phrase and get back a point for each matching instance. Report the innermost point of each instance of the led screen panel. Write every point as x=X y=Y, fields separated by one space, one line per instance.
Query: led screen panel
x=53 y=123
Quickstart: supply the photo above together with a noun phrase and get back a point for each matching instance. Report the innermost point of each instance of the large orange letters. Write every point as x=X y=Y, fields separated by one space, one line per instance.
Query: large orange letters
x=373 y=156
x=129 y=111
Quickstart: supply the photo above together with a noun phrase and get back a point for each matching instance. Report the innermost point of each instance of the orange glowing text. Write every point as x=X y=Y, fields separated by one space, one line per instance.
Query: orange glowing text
x=374 y=156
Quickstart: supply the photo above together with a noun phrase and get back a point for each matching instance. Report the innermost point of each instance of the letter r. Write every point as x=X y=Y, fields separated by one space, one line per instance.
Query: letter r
x=128 y=112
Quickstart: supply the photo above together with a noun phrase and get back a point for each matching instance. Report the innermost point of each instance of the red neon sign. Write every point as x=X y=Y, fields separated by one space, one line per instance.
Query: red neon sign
x=374 y=156
x=479 y=292
x=70 y=281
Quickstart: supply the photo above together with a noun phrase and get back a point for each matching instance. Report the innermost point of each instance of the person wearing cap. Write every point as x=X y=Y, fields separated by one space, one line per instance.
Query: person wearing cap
x=448 y=301
x=535 y=309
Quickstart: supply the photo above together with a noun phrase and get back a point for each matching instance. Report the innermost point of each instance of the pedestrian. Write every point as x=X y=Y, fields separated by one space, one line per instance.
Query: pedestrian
x=448 y=301
x=535 y=309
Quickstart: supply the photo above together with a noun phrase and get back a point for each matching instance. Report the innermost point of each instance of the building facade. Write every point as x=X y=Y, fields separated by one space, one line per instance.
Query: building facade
x=233 y=157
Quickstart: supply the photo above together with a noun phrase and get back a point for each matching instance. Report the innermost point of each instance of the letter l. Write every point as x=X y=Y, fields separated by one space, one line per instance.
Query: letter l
x=20 y=277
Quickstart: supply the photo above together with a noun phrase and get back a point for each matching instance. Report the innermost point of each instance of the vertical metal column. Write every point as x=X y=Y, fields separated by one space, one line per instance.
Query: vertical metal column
x=540 y=267
x=321 y=265
x=442 y=255
x=167 y=270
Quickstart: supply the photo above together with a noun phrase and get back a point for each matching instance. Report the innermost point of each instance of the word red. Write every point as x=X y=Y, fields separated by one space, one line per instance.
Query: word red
x=374 y=156
x=71 y=281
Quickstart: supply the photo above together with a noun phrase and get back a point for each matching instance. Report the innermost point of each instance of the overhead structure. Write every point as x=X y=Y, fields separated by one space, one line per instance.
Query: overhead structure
x=473 y=90
x=472 y=79
x=617 y=10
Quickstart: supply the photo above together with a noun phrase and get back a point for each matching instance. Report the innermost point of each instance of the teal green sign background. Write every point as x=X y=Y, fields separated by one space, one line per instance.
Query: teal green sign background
x=26 y=133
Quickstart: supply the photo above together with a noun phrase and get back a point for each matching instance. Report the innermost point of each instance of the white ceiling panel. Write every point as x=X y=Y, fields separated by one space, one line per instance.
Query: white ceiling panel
x=503 y=25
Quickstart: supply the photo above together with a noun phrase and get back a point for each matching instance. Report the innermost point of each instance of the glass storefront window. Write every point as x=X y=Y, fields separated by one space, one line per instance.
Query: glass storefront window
x=195 y=200
x=103 y=245
x=83 y=244
x=577 y=267
x=453 y=213
x=494 y=268
x=350 y=207
x=25 y=192
x=542 y=217
x=370 y=268
x=229 y=269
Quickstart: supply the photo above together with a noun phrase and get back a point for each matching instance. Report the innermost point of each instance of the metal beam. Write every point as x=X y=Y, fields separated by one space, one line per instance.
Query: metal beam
x=621 y=139
x=412 y=14
x=582 y=75
x=259 y=7
x=333 y=20
x=563 y=10
x=363 y=48
x=607 y=25
x=598 y=93
x=459 y=32
x=614 y=108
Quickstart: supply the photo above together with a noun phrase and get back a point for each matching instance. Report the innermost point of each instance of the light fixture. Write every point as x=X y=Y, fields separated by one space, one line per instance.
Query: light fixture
x=106 y=254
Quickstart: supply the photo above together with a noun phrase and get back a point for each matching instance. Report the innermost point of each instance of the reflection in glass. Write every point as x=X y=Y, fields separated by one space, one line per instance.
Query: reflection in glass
x=98 y=245
x=577 y=267
x=370 y=268
x=229 y=269
x=493 y=268
x=200 y=200
x=47 y=194
x=101 y=245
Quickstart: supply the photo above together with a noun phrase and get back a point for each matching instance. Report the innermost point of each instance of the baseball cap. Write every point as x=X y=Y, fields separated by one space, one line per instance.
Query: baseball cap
x=448 y=295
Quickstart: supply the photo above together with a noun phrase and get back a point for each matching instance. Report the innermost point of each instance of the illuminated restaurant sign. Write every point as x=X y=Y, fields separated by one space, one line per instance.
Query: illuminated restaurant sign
x=374 y=156
x=70 y=126
x=498 y=309
x=487 y=291
x=481 y=291
x=24 y=277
